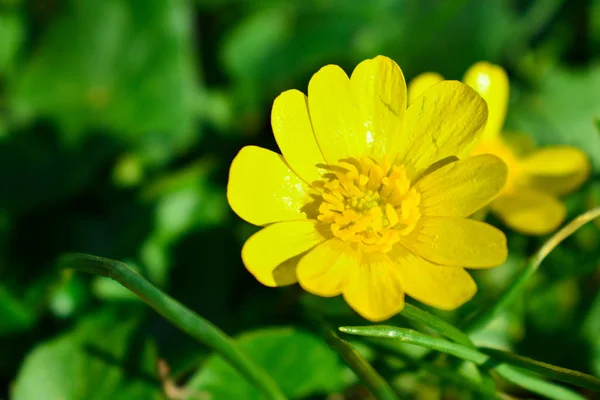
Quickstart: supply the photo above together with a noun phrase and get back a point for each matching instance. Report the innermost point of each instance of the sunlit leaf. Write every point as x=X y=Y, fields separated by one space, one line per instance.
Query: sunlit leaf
x=101 y=358
x=135 y=80
x=300 y=362
x=563 y=109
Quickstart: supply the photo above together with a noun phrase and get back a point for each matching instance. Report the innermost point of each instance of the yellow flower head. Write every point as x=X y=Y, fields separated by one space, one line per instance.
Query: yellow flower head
x=529 y=202
x=370 y=199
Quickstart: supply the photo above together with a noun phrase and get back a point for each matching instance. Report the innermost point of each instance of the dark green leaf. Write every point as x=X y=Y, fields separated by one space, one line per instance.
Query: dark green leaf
x=15 y=315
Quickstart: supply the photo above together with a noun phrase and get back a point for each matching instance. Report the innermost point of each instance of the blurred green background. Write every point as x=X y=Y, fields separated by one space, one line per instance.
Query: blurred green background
x=118 y=122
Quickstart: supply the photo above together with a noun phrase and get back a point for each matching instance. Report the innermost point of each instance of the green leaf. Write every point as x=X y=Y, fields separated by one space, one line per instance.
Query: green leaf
x=101 y=358
x=450 y=331
x=562 y=110
x=480 y=358
x=135 y=79
x=15 y=315
x=12 y=34
x=301 y=362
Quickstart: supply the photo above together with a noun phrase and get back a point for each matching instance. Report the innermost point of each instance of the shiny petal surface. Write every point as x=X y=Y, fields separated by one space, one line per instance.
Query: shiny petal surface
x=262 y=188
x=446 y=288
x=529 y=211
x=380 y=90
x=272 y=246
x=462 y=187
x=327 y=268
x=334 y=115
x=444 y=121
x=457 y=242
x=491 y=82
x=294 y=134
x=421 y=83
x=376 y=291
x=557 y=170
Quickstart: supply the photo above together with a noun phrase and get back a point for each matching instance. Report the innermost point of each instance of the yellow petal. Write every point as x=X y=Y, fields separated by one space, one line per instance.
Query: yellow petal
x=380 y=90
x=444 y=121
x=262 y=188
x=334 y=115
x=327 y=268
x=457 y=242
x=442 y=287
x=421 y=83
x=294 y=134
x=557 y=170
x=272 y=246
x=492 y=84
x=529 y=211
x=376 y=290
x=462 y=187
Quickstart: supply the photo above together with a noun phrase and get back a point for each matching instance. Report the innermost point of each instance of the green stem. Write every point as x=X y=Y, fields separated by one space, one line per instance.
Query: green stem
x=179 y=315
x=361 y=367
x=516 y=287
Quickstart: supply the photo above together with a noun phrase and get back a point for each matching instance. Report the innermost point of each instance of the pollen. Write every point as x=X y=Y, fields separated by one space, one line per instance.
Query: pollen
x=369 y=204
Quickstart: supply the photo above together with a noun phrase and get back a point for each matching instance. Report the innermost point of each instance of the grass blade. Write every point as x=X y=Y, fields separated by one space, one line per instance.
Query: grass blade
x=509 y=373
x=439 y=325
x=448 y=330
x=446 y=374
x=562 y=374
x=361 y=367
x=179 y=315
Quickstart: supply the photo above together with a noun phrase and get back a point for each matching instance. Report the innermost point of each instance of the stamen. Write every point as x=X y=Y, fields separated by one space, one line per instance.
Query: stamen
x=369 y=204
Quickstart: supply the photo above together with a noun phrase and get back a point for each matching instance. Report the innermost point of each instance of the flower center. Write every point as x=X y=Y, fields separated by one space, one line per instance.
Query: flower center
x=370 y=204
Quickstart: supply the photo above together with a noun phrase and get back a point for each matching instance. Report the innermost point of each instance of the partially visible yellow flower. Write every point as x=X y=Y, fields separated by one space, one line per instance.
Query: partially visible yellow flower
x=369 y=199
x=529 y=202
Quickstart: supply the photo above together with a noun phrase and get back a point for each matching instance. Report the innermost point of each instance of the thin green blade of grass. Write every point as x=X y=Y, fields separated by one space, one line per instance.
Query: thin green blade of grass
x=357 y=363
x=476 y=356
x=179 y=315
x=439 y=325
x=549 y=370
x=448 y=330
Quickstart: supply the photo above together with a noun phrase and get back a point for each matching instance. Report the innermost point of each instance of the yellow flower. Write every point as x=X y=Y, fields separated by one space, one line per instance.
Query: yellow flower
x=529 y=202
x=369 y=199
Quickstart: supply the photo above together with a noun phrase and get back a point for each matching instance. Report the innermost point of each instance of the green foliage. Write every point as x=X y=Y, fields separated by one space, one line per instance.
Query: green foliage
x=137 y=81
x=299 y=361
x=100 y=358
x=562 y=109
x=14 y=315
x=118 y=122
